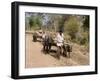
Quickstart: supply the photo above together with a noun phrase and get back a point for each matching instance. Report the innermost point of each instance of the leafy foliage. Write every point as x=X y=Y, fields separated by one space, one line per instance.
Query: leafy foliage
x=72 y=27
x=86 y=23
x=35 y=22
x=31 y=22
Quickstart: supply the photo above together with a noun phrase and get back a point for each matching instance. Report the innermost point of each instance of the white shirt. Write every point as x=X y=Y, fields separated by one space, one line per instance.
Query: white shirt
x=60 y=39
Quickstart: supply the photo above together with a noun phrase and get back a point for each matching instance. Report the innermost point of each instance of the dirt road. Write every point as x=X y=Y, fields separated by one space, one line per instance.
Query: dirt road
x=36 y=58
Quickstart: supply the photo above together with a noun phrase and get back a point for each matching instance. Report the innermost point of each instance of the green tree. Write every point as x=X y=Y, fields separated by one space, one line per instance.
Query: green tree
x=72 y=26
x=38 y=21
x=34 y=22
x=31 y=22
x=86 y=23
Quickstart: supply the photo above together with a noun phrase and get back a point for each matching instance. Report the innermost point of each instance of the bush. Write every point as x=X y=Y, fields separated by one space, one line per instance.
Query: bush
x=72 y=27
x=85 y=38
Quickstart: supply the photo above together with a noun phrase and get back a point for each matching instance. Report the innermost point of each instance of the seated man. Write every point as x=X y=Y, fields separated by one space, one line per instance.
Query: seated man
x=60 y=40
